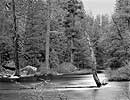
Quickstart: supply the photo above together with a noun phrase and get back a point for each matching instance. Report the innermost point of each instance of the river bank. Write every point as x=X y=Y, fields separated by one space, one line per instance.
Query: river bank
x=120 y=74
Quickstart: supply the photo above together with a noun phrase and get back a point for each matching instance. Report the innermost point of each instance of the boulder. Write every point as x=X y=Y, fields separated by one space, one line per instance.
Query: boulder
x=29 y=70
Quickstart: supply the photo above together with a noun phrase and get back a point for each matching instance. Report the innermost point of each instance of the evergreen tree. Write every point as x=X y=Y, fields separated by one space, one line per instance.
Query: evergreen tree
x=74 y=15
x=119 y=50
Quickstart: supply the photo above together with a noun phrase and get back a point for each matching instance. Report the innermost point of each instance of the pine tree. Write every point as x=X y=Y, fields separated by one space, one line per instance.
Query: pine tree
x=74 y=10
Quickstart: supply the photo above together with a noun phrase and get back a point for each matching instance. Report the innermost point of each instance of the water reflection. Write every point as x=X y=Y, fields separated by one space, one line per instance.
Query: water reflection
x=94 y=94
x=112 y=91
x=76 y=88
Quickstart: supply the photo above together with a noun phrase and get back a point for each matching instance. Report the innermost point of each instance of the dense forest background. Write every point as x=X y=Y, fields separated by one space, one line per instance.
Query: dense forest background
x=110 y=36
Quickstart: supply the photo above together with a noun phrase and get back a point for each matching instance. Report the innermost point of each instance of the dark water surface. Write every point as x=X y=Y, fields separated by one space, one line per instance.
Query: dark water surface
x=75 y=87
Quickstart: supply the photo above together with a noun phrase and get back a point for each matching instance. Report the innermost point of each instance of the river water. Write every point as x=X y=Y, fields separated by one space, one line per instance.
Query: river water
x=74 y=87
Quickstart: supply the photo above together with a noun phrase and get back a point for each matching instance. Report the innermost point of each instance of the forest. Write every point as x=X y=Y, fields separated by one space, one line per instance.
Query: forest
x=52 y=34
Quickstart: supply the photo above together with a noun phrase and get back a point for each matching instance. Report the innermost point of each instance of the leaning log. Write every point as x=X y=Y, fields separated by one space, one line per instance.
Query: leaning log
x=94 y=63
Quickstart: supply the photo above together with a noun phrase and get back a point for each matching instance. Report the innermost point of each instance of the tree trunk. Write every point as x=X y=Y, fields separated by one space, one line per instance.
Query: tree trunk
x=129 y=24
x=17 y=73
x=94 y=63
x=48 y=37
x=72 y=55
x=72 y=39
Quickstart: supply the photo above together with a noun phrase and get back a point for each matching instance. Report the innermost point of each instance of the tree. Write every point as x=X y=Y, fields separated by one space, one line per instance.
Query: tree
x=16 y=59
x=34 y=21
x=118 y=51
x=6 y=43
x=91 y=31
x=74 y=15
x=94 y=63
x=48 y=35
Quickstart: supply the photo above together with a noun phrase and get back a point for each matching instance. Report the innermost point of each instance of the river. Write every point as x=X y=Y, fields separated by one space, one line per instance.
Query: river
x=71 y=87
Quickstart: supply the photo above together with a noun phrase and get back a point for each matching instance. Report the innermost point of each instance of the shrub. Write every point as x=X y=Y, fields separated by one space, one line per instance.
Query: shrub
x=121 y=74
x=66 y=68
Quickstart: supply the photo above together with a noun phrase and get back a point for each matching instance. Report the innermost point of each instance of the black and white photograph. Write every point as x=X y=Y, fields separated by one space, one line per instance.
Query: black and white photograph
x=64 y=49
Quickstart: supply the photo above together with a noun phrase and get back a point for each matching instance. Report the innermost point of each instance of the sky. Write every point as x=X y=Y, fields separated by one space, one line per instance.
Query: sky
x=99 y=6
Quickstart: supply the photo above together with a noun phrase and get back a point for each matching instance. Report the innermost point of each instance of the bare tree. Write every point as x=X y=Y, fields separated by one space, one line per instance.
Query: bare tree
x=94 y=63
